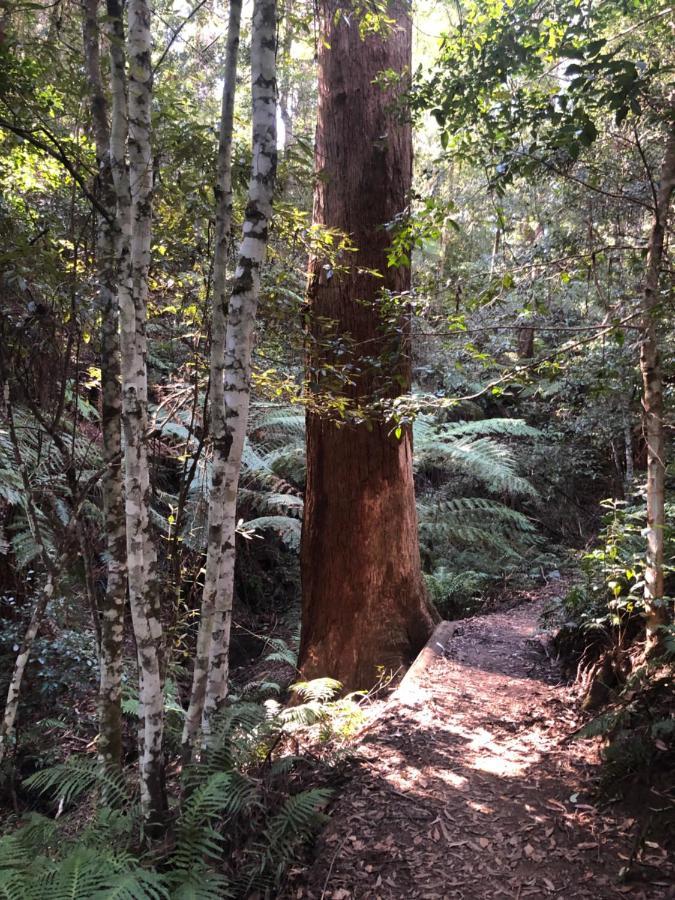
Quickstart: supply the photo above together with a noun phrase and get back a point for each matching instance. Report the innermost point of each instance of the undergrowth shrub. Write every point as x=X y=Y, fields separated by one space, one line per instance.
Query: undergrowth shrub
x=241 y=819
x=604 y=608
x=600 y=623
x=638 y=727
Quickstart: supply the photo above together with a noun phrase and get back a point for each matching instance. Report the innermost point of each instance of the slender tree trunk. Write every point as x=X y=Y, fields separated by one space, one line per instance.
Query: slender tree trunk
x=364 y=602
x=526 y=342
x=241 y=317
x=112 y=606
x=139 y=44
x=629 y=477
x=495 y=249
x=7 y=726
x=222 y=440
x=652 y=397
x=133 y=190
x=285 y=98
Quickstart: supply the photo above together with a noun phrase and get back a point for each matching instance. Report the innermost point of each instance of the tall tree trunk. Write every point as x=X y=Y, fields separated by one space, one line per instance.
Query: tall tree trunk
x=241 y=317
x=363 y=602
x=133 y=190
x=285 y=85
x=139 y=44
x=112 y=606
x=652 y=397
x=213 y=578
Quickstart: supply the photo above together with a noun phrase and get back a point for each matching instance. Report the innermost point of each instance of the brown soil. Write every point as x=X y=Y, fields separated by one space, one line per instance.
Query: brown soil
x=471 y=789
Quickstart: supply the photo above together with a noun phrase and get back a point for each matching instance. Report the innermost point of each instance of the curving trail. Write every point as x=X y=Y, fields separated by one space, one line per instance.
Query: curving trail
x=469 y=790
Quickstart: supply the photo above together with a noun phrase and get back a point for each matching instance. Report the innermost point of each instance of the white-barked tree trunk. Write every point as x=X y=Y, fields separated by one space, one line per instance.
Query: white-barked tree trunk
x=114 y=600
x=221 y=439
x=241 y=318
x=130 y=123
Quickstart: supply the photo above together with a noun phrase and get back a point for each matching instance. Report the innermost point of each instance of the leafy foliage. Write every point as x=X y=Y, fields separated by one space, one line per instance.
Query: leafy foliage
x=236 y=829
x=611 y=592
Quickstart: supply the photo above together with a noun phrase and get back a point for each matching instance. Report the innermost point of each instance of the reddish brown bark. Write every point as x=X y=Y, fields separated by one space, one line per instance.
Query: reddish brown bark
x=364 y=604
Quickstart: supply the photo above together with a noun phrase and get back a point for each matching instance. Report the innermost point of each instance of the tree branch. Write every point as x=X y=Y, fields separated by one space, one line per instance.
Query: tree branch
x=56 y=151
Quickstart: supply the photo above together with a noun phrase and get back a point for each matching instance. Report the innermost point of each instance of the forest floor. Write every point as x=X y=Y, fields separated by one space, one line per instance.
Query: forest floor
x=472 y=789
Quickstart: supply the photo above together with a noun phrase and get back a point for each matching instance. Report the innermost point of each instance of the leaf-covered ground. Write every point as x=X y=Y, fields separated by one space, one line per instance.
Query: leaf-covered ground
x=471 y=789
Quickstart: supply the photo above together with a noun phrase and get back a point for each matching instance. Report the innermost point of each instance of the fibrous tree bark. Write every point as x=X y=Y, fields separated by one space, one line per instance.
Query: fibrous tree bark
x=114 y=599
x=221 y=438
x=363 y=601
x=652 y=395
x=130 y=123
x=241 y=317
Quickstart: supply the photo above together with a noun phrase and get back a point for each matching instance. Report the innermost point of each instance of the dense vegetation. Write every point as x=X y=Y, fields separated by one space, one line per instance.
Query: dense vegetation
x=503 y=350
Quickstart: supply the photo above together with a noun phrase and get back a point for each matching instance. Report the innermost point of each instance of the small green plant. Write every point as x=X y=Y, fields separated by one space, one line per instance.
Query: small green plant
x=610 y=596
x=333 y=716
x=234 y=831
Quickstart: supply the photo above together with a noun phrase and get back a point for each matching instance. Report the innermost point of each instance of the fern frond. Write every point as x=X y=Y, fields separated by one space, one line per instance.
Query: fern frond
x=14 y=853
x=221 y=796
x=261 y=687
x=13 y=886
x=134 y=884
x=303 y=715
x=199 y=884
x=299 y=817
x=69 y=780
x=279 y=420
x=490 y=427
x=80 y=876
x=282 y=652
x=471 y=448
x=482 y=459
x=89 y=874
x=474 y=509
x=318 y=690
x=253 y=461
x=273 y=502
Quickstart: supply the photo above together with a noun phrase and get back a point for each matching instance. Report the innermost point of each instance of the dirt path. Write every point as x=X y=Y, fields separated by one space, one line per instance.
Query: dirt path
x=470 y=791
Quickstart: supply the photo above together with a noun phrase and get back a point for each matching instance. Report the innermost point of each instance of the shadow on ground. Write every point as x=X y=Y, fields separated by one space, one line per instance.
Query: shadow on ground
x=473 y=790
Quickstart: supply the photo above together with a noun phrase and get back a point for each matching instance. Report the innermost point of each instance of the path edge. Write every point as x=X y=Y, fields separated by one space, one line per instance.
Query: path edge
x=437 y=646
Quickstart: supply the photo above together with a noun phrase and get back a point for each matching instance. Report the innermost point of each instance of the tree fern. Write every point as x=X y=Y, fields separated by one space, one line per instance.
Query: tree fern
x=274 y=502
x=277 y=422
x=476 y=523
